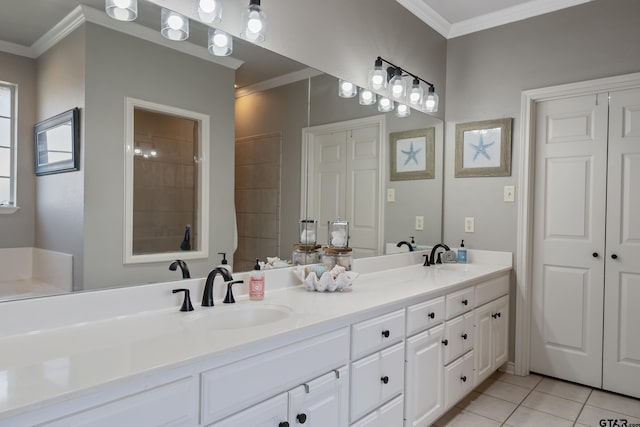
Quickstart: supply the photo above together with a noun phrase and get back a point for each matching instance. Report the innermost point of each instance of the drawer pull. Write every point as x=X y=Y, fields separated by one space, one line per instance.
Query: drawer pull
x=302 y=418
x=464 y=336
x=465 y=301
x=386 y=333
x=445 y=342
x=431 y=315
x=463 y=378
x=496 y=315
x=284 y=424
x=385 y=379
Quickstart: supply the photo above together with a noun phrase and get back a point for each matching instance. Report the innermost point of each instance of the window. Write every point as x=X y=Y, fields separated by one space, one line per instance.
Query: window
x=7 y=144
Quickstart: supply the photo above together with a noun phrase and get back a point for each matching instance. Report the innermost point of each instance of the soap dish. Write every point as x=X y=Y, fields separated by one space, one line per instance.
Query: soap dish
x=336 y=280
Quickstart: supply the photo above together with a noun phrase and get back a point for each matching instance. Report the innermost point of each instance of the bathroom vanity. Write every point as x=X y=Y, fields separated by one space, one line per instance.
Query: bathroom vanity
x=406 y=344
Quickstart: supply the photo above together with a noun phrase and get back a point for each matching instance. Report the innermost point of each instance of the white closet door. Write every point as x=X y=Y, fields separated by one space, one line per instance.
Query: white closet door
x=569 y=236
x=621 y=356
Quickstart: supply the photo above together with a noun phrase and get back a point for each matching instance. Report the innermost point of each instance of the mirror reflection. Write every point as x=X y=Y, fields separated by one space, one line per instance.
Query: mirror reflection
x=264 y=126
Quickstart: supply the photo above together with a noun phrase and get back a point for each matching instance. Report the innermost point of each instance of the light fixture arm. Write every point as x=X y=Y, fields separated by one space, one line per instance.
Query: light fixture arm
x=391 y=71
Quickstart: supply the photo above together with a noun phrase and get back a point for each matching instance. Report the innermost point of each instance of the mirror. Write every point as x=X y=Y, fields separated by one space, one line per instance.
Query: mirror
x=57 y=142
x=86 y=219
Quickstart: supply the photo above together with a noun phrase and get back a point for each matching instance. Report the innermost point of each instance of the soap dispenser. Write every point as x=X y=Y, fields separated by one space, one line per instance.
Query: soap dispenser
x=224 y=263
x=256 y=283
x=413 y=244
x=462 y=253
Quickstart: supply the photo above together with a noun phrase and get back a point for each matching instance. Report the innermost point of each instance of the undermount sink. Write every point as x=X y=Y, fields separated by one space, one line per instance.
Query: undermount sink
x=239 y=316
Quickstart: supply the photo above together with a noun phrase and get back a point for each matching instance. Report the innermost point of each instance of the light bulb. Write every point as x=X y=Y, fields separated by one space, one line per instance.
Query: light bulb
x=414 y=97
x=122 y=4
x=153 y=153
x=367 y=95
x=347 y=86
x=254 y=24
x=137 y=151
x=175 y=22
x=397 y=89
x=403 y=110
x=430 y=103
x=122 y=10
x=207 y=6
x=385 y=102
x=220 y=40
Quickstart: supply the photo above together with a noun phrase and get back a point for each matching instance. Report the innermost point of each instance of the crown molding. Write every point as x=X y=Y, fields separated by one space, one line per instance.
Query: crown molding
x=82 y=14
x=512 y=14
x=282 y=80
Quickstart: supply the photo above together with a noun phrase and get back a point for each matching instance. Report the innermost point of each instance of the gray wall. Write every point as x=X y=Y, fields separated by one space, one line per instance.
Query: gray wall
x=59 y=197
x=118 y=65
x=486 y=73
x=16 y=230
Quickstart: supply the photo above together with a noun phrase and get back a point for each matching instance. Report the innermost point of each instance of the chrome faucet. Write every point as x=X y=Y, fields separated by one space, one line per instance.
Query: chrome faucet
x=433 y=252
x=207 y=296
x=404 y=242
x=183 y=267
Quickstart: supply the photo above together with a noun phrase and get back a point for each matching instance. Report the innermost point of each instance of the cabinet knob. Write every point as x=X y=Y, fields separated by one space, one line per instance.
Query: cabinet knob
x=464 y=336
x=496 y=315
x=302 y=418
x=386 y=333
x=284 y=424
x=431 y=315
x=465 y=301
x=385 y=379
x=463 y=378
x=595 y=255
x=445 y=342
x=614 y=256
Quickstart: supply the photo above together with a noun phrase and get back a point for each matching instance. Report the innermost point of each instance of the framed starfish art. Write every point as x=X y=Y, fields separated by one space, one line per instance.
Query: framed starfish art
x=412 y=154
x=483 y=148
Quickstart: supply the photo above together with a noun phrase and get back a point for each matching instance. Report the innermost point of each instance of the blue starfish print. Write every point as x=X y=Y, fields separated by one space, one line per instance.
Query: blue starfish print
x=411 y=154
x=481 y=148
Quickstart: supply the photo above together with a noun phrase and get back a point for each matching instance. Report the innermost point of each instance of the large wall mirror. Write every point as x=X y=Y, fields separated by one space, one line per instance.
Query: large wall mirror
x=259 y=141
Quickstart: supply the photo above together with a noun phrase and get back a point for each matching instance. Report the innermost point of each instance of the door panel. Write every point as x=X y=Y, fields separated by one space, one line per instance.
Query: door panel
x=621 y=356
x=569 y=218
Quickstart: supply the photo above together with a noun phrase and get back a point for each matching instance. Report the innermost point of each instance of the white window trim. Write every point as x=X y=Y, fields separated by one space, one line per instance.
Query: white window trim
x=4 y=210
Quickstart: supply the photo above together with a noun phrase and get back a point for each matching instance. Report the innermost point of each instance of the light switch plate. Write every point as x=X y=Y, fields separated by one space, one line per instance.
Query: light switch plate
x=509 y=193
x=469 y=224
x=391 y=194
x=419 y=222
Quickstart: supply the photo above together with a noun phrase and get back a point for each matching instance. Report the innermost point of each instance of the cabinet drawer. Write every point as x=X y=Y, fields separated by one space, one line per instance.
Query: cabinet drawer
x=389 y=415
x=374 y=334
x=231 y=388
x=425 y=315
x=270 y=412
x=376 y=379
x=492 y=289
x=459 y=302
x=458 y=379
x=458 y=335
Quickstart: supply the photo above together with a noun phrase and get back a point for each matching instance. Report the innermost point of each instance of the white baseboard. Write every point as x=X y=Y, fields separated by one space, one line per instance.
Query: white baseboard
x=509 y=368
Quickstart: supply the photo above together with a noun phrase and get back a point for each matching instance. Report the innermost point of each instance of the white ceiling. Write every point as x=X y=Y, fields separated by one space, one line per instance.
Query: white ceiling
x=453 y=18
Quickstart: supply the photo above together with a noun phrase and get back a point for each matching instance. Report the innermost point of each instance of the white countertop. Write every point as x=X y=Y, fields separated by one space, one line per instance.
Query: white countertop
x=49 y=365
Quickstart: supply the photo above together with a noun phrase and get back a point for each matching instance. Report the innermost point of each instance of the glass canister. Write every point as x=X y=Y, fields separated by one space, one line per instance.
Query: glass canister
x=338 y=234
x=332 y=257
x=306 y=254
x=308 y=231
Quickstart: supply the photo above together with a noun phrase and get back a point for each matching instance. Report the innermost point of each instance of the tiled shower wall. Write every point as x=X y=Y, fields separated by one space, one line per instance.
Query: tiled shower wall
x=164 y=186
x=257 y=194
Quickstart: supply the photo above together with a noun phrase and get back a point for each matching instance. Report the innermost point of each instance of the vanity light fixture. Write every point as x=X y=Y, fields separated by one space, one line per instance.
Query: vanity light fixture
x=174 y=26
x=403 y=110
x=220 y=43
x=209 y=11
x=346 y=89
x=385 y=104
x=122 y=10
x=397 y=86
x=254 y=22
x=431 y=101
x=366 y=97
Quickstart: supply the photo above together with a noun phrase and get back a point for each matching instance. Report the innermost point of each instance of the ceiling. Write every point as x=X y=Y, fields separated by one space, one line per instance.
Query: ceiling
x=454 y=18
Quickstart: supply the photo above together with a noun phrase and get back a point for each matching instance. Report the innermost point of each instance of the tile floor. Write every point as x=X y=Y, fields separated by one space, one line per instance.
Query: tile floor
x=513 y=401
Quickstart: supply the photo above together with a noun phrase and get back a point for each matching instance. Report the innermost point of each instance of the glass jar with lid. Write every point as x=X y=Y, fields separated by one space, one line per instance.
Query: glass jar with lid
x=338 y=234
x=308 y=231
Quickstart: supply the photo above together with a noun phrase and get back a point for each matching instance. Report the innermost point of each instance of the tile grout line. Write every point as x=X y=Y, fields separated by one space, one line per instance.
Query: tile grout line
x=582 y=409
x=519 y=404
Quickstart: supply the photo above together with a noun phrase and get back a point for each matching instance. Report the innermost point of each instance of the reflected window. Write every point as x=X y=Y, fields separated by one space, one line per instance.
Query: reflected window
x=166 y=164
x=7 y=144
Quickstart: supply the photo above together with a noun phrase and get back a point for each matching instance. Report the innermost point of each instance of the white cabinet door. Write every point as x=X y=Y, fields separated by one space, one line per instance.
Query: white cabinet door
x=491 y=338
x=621 y=355
x=569 y=227
x=321 y=402
x=424 y=401
x=270 y=413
